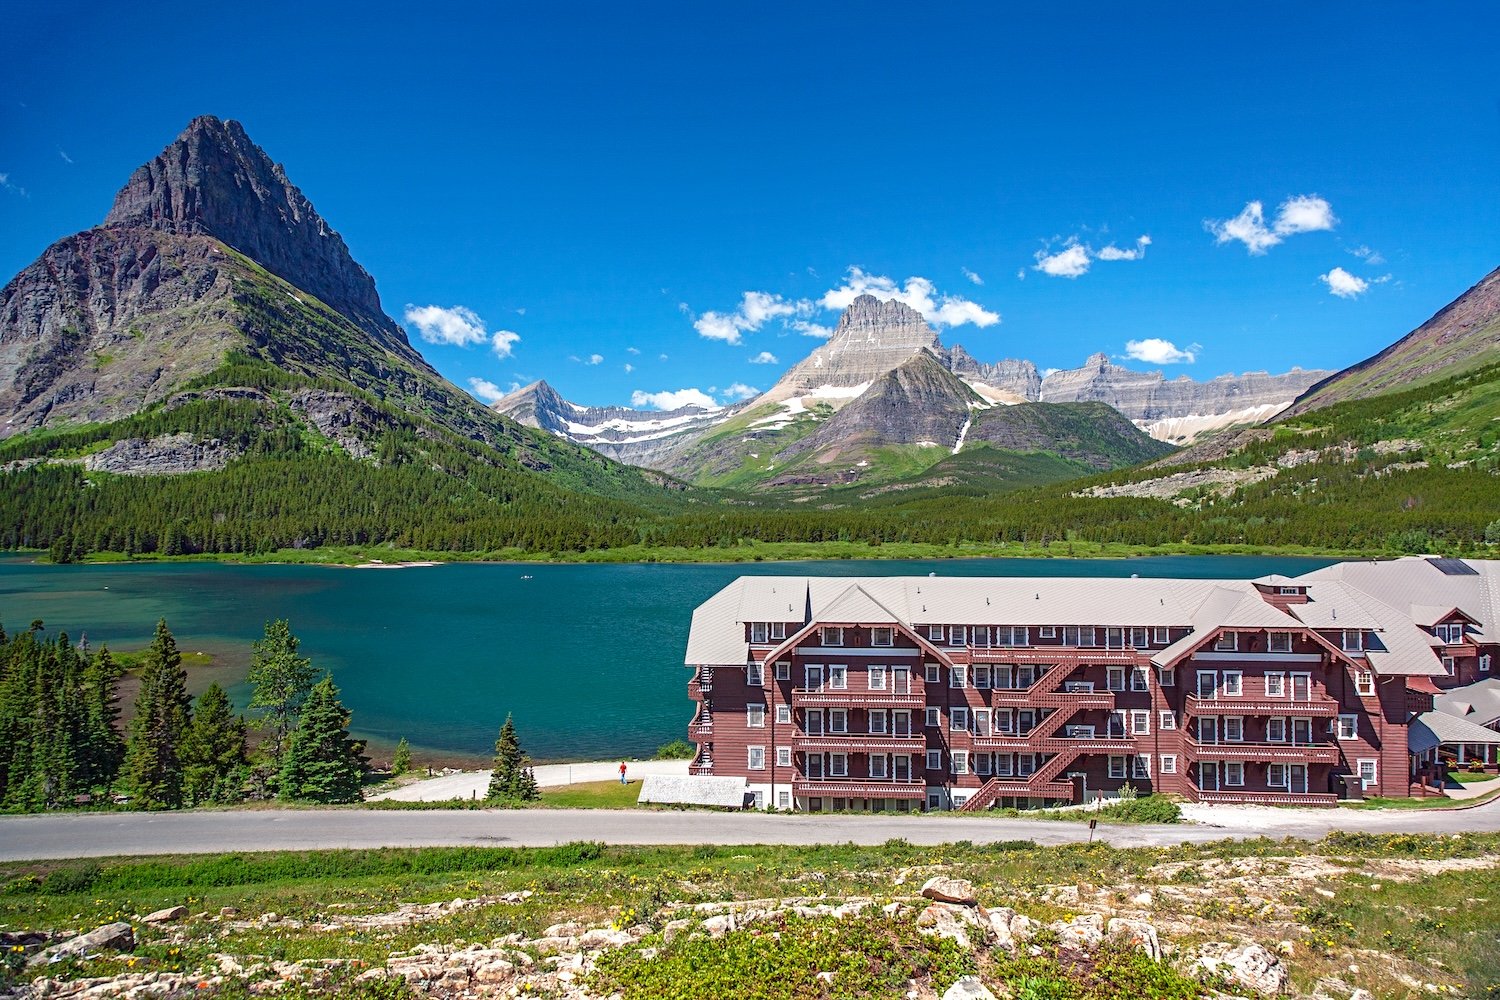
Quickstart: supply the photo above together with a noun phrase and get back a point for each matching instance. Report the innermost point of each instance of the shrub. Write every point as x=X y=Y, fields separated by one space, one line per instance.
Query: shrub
x=675 y=750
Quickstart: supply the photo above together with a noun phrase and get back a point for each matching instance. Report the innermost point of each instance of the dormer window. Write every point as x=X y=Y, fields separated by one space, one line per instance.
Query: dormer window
x=1289 y=591
x=882 y=636
x=1353 y=640
x=833 y=635
x=1227 y=642
x=758 y=631
x=778 y=630
x=1451 y=633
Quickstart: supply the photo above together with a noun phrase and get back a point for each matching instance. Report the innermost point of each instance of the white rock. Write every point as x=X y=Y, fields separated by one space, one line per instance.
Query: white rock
x=1138 y=933
x=718 y=926
x=1247 y=964
x=1082 y=933
x=968 y=988
x=950 y=890
x=166 y=916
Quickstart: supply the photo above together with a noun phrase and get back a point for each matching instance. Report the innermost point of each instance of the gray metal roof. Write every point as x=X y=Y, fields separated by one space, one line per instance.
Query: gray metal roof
x=1432 y=729
x=1415 y=582
x=1478 y=703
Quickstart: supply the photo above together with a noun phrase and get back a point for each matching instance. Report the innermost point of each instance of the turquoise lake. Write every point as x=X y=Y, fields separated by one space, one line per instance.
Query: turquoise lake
x=587 y=657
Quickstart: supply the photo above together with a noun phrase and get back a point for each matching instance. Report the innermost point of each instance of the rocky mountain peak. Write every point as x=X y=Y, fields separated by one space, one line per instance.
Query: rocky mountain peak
x=888 y=324
x=872 y=338
x=213 y=180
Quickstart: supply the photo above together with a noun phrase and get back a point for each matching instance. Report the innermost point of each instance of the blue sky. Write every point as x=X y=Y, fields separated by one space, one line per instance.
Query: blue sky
x=609 y=181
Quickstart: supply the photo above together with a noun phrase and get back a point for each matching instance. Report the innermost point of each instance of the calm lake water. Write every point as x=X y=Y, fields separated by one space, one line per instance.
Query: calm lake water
x=587 y=657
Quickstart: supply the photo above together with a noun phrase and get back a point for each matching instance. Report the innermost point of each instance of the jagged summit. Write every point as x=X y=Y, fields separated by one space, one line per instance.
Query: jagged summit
x=213 y=180
x=872 y=338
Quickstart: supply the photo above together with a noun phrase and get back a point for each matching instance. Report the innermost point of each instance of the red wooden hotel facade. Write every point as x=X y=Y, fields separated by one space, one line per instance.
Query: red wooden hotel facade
x=833 y=694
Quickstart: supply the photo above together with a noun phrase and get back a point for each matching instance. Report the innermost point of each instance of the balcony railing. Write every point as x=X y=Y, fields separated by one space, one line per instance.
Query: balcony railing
x=843 y=698
x=1297 y=753
x=1028 y=698
x=1269 y=798
x=1229 y=705
x=859 y=788
x=859 y=743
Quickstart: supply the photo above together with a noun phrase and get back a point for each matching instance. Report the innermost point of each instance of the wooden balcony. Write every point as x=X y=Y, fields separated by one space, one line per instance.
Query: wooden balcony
x=826 y=697
x=860 y=788
x=1324 y=708
x=859 y=743
x=702 y=727
x=1031 y=697
x=996 y=788
x=1268 y=798
x=697 y=689
x=1062 y=656
x=1294 y=753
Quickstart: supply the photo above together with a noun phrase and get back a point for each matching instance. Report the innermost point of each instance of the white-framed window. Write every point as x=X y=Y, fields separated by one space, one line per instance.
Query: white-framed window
x=1484 y=663
x=1353 y=640
x=979 y=636
x=934 y=760
x=1166 y=719
x=1364 y=683
x=1451 y=633
x=1143 y=765
x=960 y=761
x=982 y=677
x=1140 y=680
x=930 y=673
x=1014 y=635
x=1140 y=721
x=1279 y=642
x=1288 y=591
x=759 y=631
x=1449 y=664
x=1348 y=727
x=755 y=716
x=1079 y=635
x=1025 y=764
x=958 y=635
x=778 y=630
x=935 y=633
x=1114 y=637
x=1114 y=678
x=755 y=675
x=1047 y=632
x=1368 y=770
x=838 y=765
x=934 y=717
x=1234 y=729
x=838 y=720
x=877 y=765
x=838 y=677
x=1160 y=635
x=1234 y=772
x=1233 y=683
x=958 y=676
x=1276 y=776
x=1139 y=638
x=1276 y=684
x=1275 y=730
x=882 y=635
x=783 y=800
x=783 y=670
x=877 y=678
x=757 y=800
x=981 y=763
x=783 y=714
x=877 y=721
x=1168 y=677
x=783 y=756
x=1208 y=683
x=1227 y=642
x=833 y=635
x=958 y=720
x=756 y=758
x=1116 y=766
x=1004 y=765
x=1003 y=720
x=1169 y=763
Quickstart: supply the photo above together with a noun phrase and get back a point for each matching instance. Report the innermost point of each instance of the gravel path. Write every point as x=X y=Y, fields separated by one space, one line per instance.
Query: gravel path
x=473 y=784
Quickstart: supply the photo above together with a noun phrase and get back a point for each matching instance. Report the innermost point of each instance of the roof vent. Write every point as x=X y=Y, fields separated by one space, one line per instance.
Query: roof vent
x=1453 y=567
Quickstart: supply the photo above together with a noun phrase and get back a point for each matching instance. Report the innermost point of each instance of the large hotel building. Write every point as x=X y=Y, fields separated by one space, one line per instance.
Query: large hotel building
x=940 y=692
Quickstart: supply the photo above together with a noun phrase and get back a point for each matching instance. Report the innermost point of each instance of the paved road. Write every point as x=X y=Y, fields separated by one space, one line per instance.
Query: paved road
x=105 y=834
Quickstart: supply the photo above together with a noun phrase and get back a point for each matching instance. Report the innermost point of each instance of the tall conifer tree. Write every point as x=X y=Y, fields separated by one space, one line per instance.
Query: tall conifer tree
x=153 y=758
x=322 y=763
x=282 y=679
x=512 y=778
x=213 y=752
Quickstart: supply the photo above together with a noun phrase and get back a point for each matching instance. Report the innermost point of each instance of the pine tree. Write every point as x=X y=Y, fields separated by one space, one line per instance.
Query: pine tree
x=282 y=680
x=153 y=762
x=321 y=763
x=401 y=759
x=213 y=751
x=105 y=748
x=512 y=778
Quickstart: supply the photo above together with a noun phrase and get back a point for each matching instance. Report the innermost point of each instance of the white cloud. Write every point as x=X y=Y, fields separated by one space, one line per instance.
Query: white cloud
x=661 y=357
x=1069 y=262
x=502 y=342
x=918 y=293
x=669 y=399
x=1349 y=286
x=8 y=186
x=485 y=390
x=629 y=368
x=739 y=391
x=1372 y=257
x=1156 y=351
x=1303 y=213
x=808 y=329
x=595 y=359
x=1113 y=252
x=459 y=326
x=632 y=350
x=764 y=358
x=973 y=278
x=755 y=310
x=1020 y=274
x=65 y=157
